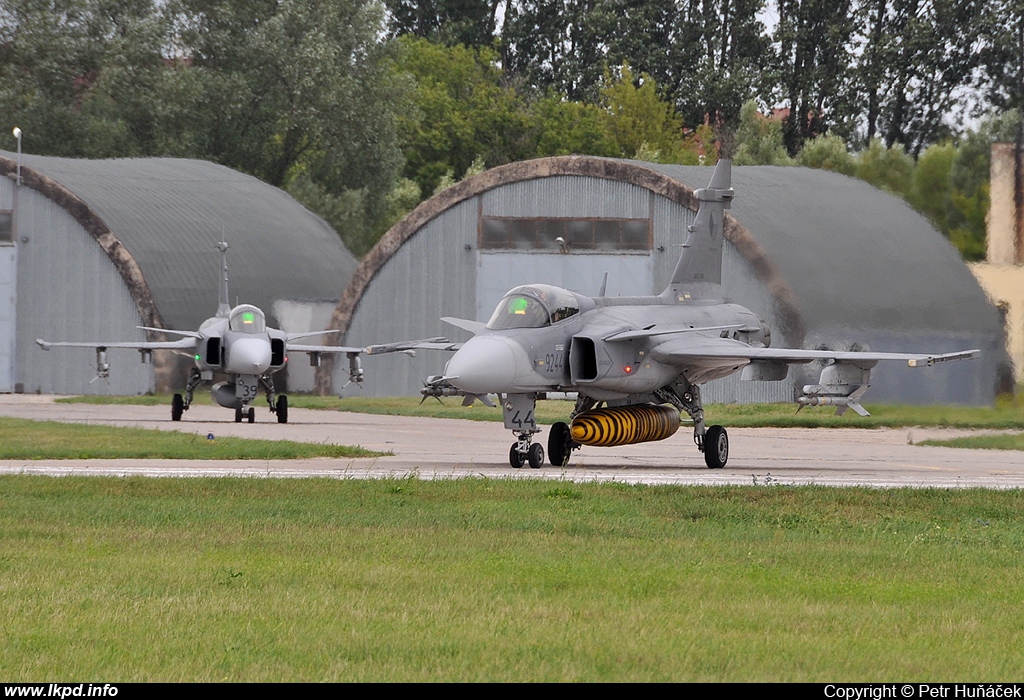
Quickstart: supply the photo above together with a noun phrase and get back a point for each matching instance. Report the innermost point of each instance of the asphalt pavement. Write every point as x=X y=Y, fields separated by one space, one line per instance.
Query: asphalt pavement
x=434 y=448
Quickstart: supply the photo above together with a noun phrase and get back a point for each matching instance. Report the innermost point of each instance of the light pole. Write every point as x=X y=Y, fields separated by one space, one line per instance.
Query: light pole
x=17 y=134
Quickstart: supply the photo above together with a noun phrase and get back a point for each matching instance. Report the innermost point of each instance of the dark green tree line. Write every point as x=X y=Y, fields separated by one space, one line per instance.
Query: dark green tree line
x=362 y=107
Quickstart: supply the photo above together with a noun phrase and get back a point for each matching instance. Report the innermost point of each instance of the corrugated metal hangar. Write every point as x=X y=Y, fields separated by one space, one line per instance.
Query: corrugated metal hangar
x=827 y=260
x=92 y=249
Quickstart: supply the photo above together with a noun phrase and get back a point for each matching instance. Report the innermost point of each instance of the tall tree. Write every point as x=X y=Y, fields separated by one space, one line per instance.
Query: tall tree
x=80 y=76
x=914 y=58
x=812 y=41
x=758 y=139
x=1002 y=53
x=461 y=111
x=556 y=46
x=294 y=86
x=724 y=51
x=644 y=34
x=468 y=22
x=642 y=124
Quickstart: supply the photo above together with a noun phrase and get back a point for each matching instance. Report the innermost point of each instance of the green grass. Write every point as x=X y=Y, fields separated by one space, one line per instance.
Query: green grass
x=27 y=439
x=982 y=442
x=505 y=580
x=1007 y=414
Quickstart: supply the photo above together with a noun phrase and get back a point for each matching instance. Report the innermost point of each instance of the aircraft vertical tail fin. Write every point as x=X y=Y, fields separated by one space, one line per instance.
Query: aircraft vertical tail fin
x=698 y=274
x=223 y=302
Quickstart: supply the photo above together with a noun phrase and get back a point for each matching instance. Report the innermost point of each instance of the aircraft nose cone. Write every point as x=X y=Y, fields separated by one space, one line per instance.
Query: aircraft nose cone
x=248 y=356
x=484 y=365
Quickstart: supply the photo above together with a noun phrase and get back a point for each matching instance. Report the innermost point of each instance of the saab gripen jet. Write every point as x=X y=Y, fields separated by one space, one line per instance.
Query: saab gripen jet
x=637 y=363
x=238 y=343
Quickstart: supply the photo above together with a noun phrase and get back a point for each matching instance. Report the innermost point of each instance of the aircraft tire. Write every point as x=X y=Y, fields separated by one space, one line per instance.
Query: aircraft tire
x=536 y=456
x=559 y=444
x=716 y=447
x=238 y=414
x=514 y=458
x=177 y=407
x=282 y=409
x=251 y=415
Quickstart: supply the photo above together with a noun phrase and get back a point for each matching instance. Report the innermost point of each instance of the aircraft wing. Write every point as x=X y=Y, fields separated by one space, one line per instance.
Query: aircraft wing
x=407 y=346
x=183 y=344
x=717 y=351
x=308 y=334
x=438 y=343
x=842 y=383
x=474 y=327
x=323 y=348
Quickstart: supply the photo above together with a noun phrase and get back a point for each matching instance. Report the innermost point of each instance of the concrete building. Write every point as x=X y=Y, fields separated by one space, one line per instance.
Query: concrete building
x=1002 y=273
x=826 y=260
x=92 y=249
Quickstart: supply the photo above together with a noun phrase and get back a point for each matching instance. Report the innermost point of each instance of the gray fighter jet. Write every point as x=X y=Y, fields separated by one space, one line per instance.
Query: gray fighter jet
x=238 y=343
x=637 y=363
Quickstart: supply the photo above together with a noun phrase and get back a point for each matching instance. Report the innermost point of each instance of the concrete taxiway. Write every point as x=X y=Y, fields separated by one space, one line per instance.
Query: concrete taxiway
x=432 y=448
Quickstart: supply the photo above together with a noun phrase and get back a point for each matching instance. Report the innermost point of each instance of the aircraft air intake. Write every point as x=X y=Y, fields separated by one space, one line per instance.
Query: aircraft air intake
x=625 y=425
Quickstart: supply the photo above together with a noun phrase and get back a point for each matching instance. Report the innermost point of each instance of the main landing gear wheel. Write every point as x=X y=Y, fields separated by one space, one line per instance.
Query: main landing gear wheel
x=238 y=414
x=536 y=456
x=515 y=457
x=177 y=407
x=716 y=447
x=252 y=415
x=282 y=409
x=559 y=444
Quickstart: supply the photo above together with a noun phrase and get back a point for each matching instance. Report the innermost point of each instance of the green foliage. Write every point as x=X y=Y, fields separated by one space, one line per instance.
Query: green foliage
x=449 y=22
x=827 y=153
x=507 y=580
x=967 y=206
x=401 y=200
x=758 y=139
x=345 y=212
x=643 y=125
x=972 y=211
x=572 y=128
x=930 y=187
x=981 y=442
x=889 y=169
x=461 y=111
x=811 y=65
x=82 y=77
x=278 y=90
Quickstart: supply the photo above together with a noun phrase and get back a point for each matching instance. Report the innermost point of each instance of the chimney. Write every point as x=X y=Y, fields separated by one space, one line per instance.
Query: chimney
x=1005 y=213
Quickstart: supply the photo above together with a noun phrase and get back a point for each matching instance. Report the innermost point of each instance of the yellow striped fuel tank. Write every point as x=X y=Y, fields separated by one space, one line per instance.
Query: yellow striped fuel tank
x=625 y=425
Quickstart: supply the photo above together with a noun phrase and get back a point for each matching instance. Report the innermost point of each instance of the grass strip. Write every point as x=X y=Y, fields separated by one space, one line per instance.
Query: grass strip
x=255 y=580
x=1007 y=414
x=982 y=442
x=28 y=439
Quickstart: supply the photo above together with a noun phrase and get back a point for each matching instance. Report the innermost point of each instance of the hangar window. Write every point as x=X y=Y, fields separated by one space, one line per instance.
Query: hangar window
x=509 y=233
x=6 y=227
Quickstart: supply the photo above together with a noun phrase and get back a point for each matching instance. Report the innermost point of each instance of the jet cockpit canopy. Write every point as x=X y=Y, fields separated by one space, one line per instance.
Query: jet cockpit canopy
x=246 y=318
x=533 y=306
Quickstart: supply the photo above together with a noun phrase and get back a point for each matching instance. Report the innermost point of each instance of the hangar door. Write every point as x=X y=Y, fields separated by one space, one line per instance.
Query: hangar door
x=573 y=253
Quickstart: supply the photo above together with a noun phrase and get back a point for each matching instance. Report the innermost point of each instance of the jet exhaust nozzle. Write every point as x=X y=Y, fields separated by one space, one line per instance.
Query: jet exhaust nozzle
x=625 y=425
